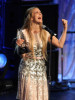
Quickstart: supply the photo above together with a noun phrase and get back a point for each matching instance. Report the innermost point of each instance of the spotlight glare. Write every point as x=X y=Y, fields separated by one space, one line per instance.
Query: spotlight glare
x=3 y=60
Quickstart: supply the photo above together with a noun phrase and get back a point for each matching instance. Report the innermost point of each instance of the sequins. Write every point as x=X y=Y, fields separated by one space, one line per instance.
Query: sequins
x=32 y=81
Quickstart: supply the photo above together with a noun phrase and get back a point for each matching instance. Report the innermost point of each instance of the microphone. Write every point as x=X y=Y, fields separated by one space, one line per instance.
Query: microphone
x=49 y=30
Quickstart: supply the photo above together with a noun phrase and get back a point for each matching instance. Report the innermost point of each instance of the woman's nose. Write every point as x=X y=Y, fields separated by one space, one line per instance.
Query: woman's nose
x=40 y=13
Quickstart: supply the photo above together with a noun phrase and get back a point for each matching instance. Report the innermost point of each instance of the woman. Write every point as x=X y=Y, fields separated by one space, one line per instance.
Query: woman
x=32 y=80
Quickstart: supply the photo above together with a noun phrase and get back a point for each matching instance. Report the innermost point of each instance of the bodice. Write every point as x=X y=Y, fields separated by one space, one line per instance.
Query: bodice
x=37 y=51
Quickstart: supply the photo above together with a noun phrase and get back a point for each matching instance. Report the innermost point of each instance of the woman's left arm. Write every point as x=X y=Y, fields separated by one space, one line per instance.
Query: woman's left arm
x=60 y=43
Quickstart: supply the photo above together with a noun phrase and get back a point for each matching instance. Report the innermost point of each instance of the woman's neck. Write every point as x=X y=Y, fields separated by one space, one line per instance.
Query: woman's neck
x=35 y=28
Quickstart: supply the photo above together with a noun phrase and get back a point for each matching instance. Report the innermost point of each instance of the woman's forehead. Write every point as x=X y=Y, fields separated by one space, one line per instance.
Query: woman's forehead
x=35 y=9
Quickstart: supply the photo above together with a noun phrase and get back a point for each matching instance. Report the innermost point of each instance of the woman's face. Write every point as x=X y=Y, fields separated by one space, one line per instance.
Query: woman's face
x=36 y=16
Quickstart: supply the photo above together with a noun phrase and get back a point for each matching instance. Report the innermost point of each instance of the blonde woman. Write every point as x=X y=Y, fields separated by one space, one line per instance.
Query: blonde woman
x=32 y=80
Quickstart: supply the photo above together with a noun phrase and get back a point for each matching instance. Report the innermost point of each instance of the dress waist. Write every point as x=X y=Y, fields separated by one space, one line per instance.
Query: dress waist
x=27 y=56
x=36 y=58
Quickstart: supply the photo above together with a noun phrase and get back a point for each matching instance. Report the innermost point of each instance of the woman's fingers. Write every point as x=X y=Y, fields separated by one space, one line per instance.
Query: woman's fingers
x=64 y=23
x=19 y=42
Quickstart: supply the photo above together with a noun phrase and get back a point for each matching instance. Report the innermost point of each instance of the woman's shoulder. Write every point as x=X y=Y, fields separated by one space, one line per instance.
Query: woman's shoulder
x=24 y=30
x=46 y=32
x=25 y=33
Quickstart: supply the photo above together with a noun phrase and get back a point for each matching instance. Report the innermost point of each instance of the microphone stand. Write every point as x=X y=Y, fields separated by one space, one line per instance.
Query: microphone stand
x=49 y=76
x=50 y=55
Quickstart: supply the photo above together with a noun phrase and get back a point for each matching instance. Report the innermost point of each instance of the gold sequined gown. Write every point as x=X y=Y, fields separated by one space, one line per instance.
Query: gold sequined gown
x=32 y=80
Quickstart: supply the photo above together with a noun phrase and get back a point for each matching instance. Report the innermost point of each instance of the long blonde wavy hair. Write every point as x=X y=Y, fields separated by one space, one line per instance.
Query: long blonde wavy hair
x=43 y=34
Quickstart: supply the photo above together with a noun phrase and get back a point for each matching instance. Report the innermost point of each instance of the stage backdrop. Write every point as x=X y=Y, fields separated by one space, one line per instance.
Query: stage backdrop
x=67 y=54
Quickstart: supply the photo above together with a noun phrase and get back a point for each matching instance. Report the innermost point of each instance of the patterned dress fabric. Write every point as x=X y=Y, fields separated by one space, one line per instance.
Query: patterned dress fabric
x=32 y=79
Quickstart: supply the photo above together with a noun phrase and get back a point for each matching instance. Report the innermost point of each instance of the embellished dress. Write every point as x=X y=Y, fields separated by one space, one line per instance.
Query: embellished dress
x=32 y=79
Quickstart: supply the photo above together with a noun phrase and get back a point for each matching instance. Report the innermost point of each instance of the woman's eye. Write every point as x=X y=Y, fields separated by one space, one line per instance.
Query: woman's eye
x=36 y=12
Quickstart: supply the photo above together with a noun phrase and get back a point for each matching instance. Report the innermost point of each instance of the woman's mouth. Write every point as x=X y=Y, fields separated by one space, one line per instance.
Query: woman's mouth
x=39 y=18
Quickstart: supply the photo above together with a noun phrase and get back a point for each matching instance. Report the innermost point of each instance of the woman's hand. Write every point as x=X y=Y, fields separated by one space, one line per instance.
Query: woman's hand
x=19 y=42
x=64 y=24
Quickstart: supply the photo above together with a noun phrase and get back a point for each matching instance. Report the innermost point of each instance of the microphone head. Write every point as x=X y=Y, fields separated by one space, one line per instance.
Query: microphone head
x=49 y=30
x=44 y=26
